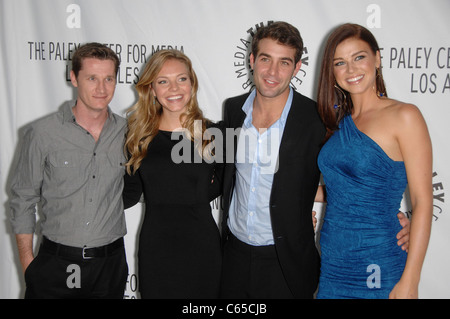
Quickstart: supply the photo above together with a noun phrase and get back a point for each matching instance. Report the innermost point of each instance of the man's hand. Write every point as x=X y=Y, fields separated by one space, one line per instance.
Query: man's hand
x=403 y=235
x=314 y=220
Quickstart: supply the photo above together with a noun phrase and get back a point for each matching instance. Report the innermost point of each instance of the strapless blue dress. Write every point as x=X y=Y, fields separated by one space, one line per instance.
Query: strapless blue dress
x=360 y=255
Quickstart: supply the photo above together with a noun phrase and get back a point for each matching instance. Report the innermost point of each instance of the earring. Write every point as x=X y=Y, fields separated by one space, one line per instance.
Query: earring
x=379 y=75
x=343 y=93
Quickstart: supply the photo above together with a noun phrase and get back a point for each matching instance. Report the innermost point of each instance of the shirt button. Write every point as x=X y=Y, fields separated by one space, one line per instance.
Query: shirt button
x=253 y=189
x=251 y=213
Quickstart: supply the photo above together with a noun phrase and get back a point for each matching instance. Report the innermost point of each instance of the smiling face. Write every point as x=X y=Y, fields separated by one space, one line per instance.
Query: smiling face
x=273 y=68
x=354 y=66
x=172 y=87
x=96 y=82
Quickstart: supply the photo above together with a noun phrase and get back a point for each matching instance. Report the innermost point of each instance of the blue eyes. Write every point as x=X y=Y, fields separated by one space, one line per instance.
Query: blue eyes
x=108 y=80
x=182 y=79
x=358 y=58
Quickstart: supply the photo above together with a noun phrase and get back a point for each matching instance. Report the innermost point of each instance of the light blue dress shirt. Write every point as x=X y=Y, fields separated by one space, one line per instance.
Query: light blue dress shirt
x=256 y=163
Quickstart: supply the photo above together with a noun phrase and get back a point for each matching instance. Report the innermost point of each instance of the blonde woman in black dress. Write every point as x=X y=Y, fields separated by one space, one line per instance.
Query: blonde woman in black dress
x=179 y=243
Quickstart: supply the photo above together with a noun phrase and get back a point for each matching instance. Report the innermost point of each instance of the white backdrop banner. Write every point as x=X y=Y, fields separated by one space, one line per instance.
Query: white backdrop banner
x=38 y=39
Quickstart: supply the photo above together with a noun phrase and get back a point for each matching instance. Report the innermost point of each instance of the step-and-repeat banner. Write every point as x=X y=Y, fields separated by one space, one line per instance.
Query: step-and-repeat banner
x=38 y=39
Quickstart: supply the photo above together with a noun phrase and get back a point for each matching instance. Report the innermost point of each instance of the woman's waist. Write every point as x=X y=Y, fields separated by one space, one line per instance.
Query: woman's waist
x=354 y=237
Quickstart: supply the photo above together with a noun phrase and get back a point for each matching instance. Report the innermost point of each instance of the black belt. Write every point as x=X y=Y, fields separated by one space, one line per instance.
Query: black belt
x=81 y=253
x=266 y=250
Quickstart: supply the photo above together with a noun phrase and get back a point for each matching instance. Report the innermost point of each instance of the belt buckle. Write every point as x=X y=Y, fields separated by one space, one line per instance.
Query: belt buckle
x=83 y=254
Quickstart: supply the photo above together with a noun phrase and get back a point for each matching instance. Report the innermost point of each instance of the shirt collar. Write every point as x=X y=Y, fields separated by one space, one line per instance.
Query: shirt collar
x=68 y=115
x=248 y=108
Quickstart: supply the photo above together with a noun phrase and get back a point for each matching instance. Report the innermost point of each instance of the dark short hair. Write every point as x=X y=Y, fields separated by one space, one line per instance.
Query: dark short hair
x=281 y=32
x=93 y=50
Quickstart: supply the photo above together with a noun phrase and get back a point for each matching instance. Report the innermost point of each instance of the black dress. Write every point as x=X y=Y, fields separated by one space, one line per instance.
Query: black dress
x=179 y=252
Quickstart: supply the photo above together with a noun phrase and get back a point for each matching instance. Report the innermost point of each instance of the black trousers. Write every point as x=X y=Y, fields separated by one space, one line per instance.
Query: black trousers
x=252 y=272
x=57 y=272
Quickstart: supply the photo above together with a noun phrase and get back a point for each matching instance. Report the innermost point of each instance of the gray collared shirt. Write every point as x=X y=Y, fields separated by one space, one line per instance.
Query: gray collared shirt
x=77 y=181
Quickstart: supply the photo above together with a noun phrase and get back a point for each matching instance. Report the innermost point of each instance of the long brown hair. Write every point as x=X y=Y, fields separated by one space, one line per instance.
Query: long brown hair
x=333 y=102
x=144 y=117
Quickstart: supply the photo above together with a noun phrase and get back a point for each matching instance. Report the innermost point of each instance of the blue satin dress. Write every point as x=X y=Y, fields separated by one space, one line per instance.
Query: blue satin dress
x=360 y=255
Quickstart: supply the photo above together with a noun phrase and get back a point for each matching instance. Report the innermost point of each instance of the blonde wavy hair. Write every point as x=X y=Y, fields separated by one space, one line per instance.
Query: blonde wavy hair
x=144 y=117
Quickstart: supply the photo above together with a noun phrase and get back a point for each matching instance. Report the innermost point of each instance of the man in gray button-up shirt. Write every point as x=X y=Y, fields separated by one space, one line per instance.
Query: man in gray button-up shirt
x=72 y=163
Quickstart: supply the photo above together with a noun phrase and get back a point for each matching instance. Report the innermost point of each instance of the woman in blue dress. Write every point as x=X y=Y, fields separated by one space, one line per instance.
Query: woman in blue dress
x=375 y=147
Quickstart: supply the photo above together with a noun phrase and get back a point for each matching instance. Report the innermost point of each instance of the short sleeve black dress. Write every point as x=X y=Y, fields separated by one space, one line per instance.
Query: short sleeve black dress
x=179 y=254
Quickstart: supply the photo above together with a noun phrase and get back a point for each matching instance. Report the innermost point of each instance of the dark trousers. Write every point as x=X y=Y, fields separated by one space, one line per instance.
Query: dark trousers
x=59 y=273
x=252 y=272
